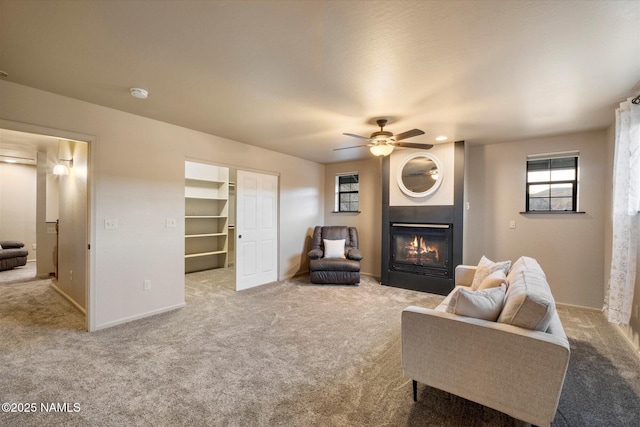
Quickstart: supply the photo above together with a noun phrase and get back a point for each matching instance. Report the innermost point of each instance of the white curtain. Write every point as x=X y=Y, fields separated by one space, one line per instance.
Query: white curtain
x=626 y=219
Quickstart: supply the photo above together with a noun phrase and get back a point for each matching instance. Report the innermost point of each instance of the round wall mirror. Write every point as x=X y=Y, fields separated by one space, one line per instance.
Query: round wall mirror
x=420 y=175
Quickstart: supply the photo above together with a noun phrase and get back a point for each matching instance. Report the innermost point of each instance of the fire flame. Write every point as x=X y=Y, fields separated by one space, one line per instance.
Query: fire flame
x=419 y=246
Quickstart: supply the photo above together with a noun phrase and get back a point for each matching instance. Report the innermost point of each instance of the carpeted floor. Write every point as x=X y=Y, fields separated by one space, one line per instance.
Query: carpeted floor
x=284 y=354
x=23 y=273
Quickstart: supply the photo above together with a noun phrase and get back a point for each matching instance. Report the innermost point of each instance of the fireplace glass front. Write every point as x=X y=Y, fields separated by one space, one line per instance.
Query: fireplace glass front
x=421 y=249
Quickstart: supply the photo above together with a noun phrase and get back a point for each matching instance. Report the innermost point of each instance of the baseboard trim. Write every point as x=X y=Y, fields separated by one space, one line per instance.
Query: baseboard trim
x=627 y=338
x=621 y=330
x=375 y=277
x=296 y=274
x=138 y=317
x=578 y=306
x=55 y=287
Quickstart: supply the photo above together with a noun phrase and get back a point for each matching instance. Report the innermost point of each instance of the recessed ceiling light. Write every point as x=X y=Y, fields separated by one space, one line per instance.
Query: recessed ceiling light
x=441 y=138
x=139 y=93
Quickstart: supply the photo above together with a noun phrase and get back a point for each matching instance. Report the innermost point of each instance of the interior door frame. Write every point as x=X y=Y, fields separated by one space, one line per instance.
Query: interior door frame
x=91 y=141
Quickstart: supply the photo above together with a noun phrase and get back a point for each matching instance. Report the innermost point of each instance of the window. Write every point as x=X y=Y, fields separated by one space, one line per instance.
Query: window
x=347 y=192
x=552 y=183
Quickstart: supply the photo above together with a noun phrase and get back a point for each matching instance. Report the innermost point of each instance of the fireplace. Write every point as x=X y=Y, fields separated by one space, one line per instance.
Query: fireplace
x=422 y=238
x=424 y=249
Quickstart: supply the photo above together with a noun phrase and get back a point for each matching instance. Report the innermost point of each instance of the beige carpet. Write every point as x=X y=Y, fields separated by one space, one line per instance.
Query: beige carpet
x=284 y=354
x=23 y=273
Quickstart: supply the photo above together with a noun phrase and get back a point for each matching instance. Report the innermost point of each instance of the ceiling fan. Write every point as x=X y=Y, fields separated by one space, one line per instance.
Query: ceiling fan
x=382 y=142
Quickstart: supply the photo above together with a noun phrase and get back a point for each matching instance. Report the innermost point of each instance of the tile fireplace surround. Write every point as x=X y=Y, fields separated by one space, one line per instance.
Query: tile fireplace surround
x=408 y=271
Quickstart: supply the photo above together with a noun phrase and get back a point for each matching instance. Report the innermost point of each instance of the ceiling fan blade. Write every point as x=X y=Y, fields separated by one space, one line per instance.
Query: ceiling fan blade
x=412 y=145
x=355 y=136
x=408 y=134
x=353 y=146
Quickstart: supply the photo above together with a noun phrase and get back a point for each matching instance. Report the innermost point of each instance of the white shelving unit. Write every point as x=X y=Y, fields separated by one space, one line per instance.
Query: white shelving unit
x=206 y=216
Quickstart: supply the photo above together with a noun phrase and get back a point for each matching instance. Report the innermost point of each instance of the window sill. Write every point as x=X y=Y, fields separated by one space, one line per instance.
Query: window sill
x=346 y=212
x=552 y=213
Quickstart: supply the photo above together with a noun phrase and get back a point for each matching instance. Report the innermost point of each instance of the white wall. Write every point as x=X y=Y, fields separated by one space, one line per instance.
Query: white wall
x=301 y=189
x=569 y=247
x=46 y=240
x=72 y=232
x=137 y=177
x=18 y=204
x=369 y=220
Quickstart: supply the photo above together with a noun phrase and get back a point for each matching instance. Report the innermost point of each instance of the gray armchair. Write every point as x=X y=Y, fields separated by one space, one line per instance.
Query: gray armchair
x=344 y=269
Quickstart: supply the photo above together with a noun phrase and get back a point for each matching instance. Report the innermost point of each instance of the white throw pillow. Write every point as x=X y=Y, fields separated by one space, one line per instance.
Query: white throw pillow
x=485 y=268
x=485 y=304
x=529 y=303
x=334 y=248
x=0 y=246
x=494 y=280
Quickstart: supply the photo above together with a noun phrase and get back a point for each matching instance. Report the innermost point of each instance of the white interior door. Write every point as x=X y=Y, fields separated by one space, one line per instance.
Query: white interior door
x=256 y=229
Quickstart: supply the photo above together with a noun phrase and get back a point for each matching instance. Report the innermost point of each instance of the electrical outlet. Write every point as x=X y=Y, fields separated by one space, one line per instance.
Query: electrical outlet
x=51 y=230
x=147 y=285
x=110 y=224
x=172 y=223
x=512 y=223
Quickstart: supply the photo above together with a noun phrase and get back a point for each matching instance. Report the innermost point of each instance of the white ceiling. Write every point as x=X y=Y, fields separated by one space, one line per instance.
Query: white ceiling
x=293 y=76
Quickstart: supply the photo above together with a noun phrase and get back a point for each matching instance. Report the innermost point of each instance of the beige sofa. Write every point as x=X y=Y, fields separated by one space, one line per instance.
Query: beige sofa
x=506 y=364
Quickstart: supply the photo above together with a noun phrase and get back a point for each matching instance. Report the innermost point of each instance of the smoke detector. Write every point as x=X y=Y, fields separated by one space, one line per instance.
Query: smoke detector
x=139 y=93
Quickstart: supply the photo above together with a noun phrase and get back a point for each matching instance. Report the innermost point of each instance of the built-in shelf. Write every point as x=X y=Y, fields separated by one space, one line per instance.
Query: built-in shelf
x=205 y=235
x=206 y=198
x=206 y=216
x=202 y=254
x=205 y=182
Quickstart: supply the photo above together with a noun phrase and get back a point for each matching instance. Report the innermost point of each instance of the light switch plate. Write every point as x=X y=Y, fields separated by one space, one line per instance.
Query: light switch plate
x=110 y=224
x=172 y=223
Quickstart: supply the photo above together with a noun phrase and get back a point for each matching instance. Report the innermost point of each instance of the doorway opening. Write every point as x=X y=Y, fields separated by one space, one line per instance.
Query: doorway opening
x=46 y=213
x=209 y=224
x=219 y=201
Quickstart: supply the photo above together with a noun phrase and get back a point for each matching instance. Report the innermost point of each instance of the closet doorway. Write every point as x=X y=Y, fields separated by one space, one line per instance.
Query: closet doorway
x=208 y=224
x=231 y=236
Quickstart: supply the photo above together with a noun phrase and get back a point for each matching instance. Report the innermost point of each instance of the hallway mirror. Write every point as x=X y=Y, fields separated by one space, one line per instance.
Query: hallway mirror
x=420 y=175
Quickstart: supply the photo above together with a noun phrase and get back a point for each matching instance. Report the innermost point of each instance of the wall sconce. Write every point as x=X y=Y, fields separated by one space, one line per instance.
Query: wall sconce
x=62 y=169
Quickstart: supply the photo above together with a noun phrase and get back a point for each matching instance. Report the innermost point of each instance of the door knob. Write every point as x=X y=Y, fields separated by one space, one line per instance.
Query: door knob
x=240 y=236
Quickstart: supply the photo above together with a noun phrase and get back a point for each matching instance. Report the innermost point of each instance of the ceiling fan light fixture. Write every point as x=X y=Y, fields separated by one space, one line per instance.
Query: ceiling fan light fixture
x=381 y=149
